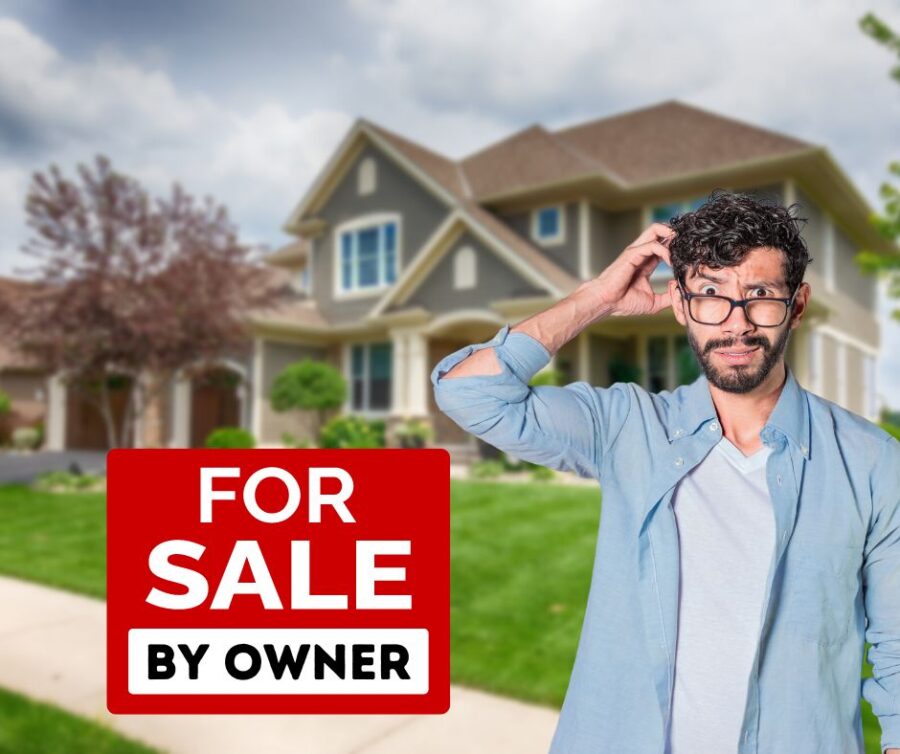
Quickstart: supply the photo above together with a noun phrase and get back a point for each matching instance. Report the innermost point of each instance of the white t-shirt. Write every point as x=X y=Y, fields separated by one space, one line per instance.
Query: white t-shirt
x=726 y=532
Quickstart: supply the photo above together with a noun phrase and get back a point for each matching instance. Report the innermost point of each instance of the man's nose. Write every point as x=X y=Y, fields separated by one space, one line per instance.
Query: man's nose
x=737 y=323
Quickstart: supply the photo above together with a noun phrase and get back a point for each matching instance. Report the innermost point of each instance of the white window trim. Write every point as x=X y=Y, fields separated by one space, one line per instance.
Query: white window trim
x=560 y=237
x=815 y=358
x=348 y=408
x=356 y=224
x=870 y=386
x=465 y=268
x=366 y=176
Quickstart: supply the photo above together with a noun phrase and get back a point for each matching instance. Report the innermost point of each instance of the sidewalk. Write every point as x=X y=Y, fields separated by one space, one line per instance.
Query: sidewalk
x=53 y=648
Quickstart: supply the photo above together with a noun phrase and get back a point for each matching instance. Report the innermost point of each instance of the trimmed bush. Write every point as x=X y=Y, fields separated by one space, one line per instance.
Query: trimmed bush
x=26 y=438
x=230 y=437
x=5 y=403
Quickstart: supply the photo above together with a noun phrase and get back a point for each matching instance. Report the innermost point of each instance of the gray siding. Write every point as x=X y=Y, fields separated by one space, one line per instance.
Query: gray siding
x=847 y=275
x=813 y=230
x=494 y=279
x=396 y=191
x=564 y=254
x=856 y=381
x=770 y=192
x=611 y=232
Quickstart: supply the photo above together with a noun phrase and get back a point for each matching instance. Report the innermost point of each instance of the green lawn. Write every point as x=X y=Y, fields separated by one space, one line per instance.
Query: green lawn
x=521 y=557
x=28 y=727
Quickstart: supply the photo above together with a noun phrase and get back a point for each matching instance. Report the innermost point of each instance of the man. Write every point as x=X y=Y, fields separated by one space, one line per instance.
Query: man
x=750 y=536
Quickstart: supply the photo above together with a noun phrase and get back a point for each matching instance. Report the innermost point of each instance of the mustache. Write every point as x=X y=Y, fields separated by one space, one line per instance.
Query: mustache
x=751 y=342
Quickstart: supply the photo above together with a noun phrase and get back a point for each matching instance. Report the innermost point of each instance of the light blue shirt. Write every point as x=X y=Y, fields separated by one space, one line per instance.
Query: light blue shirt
x=833 y=584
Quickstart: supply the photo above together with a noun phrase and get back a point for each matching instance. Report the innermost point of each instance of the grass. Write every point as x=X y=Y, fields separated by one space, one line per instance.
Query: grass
x=28 y=727
x=521 y=558
x=58 y=539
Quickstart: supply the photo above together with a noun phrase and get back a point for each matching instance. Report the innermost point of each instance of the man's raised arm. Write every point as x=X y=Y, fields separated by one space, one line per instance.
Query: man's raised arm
x=484 y=387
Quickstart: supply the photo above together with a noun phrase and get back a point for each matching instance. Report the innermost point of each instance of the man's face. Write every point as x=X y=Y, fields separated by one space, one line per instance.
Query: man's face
x=737 y=355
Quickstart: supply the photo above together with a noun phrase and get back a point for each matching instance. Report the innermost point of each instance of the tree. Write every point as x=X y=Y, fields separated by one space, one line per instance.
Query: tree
x=887 y=223
x=129 y=289
x=308 y=385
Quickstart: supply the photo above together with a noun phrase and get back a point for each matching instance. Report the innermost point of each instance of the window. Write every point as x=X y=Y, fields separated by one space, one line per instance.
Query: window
x=304 y=278
x=464 y=268
x=370 y=365
x=368 y=256
x=548 y=225
x=670 y=362
x=662 y=213
x=657 y=363
x=366 y=177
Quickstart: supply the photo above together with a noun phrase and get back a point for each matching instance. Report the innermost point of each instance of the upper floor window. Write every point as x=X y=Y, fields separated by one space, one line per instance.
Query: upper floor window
x=548 y=225
x=366 y=176
x=662 y=213
x=368 y=251
x=464 y=268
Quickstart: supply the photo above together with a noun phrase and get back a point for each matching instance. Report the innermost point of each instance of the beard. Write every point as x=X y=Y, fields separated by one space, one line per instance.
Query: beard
x=740 y=378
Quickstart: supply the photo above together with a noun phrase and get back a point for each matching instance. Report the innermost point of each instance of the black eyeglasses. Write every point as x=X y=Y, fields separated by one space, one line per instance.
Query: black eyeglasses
x=711 y=309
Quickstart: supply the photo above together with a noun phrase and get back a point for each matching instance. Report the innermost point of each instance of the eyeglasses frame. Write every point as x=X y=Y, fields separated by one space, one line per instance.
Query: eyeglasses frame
x=688 y=295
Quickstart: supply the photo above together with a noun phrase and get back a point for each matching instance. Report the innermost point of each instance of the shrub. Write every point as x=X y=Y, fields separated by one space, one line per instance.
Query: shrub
x=542 y=474
x=548 y=377
x=5 y=403
x=413 y=434
x=230 y=437
x=26 y=438
x=352 y=432
x=487 y=469
x=892 y=429
x=66 y=481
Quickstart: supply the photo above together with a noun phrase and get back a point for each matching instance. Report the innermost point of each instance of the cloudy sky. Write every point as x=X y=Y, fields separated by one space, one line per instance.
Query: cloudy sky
x=245 y=101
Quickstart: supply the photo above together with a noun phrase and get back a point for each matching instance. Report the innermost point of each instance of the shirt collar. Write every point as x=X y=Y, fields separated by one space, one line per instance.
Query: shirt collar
x=693 y=405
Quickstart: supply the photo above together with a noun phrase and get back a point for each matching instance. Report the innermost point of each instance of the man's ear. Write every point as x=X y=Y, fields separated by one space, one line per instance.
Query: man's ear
x=677 y=301
x=801 y=301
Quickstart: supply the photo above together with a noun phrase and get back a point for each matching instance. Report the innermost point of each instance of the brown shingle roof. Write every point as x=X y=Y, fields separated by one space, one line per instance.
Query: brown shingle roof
x=446 y=172
x=673 y=138
x=285 y=306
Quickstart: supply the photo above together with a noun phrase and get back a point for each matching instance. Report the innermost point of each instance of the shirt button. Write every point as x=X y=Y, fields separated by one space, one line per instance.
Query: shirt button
x=803 y=449
x=679 y=461
x=713 y=427
x=747 y=735
x=679 y=432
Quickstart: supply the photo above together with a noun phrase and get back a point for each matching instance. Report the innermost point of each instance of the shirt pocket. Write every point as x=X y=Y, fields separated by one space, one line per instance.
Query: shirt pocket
x=820 y=588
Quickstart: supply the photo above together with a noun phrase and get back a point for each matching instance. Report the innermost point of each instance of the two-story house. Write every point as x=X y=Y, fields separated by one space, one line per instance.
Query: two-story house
x=403 y=255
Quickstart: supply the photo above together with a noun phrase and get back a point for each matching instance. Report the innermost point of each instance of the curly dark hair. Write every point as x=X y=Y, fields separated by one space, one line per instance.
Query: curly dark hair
x=728 y=225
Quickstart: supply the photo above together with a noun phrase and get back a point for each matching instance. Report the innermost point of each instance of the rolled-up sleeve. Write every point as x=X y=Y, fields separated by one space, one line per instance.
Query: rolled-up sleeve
x=881 y=585
x=564 y=428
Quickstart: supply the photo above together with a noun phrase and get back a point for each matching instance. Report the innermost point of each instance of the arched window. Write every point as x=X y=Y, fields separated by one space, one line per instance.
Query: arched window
x=366 y=176
x=464 y=268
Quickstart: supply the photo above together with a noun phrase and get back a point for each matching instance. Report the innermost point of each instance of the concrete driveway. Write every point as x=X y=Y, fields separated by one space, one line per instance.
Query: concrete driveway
x=18 y=468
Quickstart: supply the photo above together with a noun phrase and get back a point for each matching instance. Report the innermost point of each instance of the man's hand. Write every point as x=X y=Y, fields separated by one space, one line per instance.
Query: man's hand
x=625 y=284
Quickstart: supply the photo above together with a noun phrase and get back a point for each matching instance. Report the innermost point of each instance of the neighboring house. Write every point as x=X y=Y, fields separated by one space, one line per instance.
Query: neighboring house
x=403 y=255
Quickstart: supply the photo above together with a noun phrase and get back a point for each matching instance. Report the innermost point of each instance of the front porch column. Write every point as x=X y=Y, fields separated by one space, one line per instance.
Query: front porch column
x=56 y=413
x=181 y=413
x=409 y=381
x=417 y=374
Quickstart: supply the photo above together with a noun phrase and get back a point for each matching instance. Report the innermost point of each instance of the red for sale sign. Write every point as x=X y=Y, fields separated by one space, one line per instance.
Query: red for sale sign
x=278 y=581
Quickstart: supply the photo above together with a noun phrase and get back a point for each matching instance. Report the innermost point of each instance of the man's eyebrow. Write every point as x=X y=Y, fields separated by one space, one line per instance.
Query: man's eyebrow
x=764 y=283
